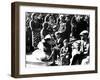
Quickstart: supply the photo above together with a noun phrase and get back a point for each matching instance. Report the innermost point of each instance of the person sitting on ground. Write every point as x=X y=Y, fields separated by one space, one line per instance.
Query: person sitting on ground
x=81 y=52
x=56 y=48
x=84 y=47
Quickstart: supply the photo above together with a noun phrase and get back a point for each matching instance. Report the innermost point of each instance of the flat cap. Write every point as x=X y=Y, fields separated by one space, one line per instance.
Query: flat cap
x=84 y=32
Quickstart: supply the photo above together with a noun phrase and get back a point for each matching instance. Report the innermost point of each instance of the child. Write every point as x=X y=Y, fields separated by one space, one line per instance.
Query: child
x=65 y=54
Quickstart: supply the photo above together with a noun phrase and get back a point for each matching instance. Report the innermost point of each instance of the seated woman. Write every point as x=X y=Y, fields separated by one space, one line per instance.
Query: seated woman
x=42 y=53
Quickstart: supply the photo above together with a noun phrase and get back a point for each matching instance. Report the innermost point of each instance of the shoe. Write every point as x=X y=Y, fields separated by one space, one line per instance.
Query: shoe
x=53 y=64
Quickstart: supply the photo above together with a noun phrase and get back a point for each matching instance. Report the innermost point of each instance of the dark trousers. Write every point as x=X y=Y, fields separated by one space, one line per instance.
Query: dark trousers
x=55 y=53
x=77 y=59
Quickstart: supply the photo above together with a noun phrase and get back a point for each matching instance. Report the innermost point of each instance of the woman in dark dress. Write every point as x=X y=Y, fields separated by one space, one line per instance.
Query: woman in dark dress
x=36 y=26
x=48 y=26
x=29 y=47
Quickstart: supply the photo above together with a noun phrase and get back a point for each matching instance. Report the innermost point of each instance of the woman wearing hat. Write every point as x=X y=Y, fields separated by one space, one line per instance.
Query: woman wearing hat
x=48 y=27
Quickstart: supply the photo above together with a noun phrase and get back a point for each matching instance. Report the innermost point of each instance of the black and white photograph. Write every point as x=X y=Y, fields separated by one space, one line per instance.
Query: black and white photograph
x=54 y=39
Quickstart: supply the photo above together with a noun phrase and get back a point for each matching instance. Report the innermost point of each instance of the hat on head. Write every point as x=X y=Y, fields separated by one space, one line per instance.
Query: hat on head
x=57 y=33
x=85 y=32
x=48 y=37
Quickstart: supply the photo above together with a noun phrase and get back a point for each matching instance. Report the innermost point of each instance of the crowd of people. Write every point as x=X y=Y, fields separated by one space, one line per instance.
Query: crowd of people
x=62 y=37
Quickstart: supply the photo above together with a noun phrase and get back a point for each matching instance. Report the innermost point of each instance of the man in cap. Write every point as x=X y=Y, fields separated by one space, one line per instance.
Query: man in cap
x=82 y=49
